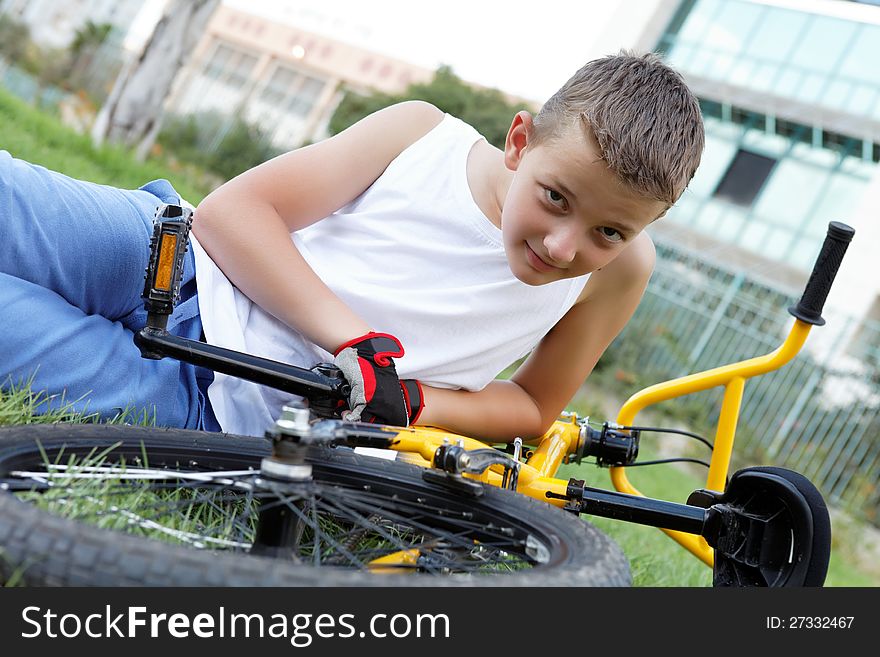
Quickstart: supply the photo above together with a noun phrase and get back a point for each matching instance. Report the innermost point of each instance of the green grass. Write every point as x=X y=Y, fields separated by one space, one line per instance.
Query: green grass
x=20 y=405
x=39 y=137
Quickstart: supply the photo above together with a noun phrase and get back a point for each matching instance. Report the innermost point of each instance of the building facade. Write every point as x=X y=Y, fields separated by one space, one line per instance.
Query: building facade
x=791 y=97
x=284 y=79
x=790 y=92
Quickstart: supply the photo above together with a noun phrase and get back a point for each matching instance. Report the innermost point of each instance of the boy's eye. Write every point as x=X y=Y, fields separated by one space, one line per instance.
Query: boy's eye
x=554 y=197
x=611 y=234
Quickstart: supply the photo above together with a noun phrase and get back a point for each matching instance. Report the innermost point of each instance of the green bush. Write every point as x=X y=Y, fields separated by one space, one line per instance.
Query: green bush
x=226 y=146
x=485 y=109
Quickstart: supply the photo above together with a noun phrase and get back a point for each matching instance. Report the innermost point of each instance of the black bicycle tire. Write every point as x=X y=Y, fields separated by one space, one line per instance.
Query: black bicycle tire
x=48 y=550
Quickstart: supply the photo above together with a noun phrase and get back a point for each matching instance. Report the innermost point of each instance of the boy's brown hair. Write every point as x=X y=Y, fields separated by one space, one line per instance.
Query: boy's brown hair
x=645 y=119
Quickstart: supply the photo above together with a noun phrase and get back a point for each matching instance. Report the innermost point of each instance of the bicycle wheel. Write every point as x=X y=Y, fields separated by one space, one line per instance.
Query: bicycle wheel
x=115 y=505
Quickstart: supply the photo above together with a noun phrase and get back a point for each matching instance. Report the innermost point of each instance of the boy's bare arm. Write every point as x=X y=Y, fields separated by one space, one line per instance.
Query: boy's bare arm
x=544 y=384
x=245 y=224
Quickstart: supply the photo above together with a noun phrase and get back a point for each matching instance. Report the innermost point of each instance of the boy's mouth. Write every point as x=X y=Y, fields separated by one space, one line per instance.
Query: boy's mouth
x=538 y=263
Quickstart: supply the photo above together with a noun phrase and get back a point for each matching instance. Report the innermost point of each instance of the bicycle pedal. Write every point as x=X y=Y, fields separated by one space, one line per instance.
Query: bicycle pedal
x=168 y=245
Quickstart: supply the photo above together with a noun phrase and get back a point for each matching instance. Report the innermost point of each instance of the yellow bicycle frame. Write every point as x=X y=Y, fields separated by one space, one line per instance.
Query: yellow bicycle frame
x=733 y=378
x=537 y=475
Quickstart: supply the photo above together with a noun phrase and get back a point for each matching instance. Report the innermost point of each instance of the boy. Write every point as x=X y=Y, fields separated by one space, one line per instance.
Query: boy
x=568 y=198
x=424 y=261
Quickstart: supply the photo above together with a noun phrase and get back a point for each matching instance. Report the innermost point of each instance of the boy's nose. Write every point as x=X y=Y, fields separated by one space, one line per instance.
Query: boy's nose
x=561 y=246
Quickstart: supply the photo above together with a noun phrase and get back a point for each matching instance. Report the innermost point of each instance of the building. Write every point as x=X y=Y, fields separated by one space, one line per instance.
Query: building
x=791 y=97
x=285 y=79
x=54 y=23
x=790 y=92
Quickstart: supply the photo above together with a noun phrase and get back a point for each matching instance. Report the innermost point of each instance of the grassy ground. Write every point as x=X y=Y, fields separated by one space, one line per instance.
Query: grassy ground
x=38 y=137
x=656 y=560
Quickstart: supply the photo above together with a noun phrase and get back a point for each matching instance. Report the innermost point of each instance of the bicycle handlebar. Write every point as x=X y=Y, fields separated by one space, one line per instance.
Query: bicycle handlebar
x=809 y=308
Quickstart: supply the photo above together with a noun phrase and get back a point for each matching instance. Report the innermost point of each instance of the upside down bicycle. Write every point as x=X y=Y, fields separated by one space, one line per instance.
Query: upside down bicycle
x=121 y=505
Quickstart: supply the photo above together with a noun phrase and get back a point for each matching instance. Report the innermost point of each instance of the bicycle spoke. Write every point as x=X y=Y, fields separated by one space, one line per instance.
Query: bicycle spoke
x=335 y=525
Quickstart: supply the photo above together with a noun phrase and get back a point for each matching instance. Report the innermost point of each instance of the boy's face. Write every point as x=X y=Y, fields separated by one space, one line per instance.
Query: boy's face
x=565 y=213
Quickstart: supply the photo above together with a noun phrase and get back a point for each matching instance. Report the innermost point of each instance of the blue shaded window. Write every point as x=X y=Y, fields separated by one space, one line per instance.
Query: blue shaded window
x=777 y=34
x=745 y=177
x=860 y=61
x=811 y=58
x=699 y=19
x=734 y=26
x=824 y=44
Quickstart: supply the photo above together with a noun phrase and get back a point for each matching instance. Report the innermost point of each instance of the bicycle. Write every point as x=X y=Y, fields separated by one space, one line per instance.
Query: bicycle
x=303 y=508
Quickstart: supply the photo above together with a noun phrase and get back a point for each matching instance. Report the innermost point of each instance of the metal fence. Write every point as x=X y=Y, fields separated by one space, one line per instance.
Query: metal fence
x=27 y=87
x=819 y=415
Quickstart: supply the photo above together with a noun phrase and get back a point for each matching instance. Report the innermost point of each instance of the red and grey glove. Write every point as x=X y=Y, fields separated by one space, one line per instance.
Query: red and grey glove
x=377 y=394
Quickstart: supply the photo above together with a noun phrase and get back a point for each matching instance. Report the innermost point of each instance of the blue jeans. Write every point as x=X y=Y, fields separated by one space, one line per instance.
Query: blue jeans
x=72 y=261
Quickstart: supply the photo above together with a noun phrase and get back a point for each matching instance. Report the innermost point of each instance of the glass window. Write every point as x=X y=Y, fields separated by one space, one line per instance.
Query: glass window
x=776 y=244
x=242 y=69
x=742 y=72
x=764 y=77
x=218 y=61
x=753 y=235
x=715 y=161
x=863 y=99
x=765 y=144
x=729 y=226
x=804 y=253
x=733 y=27
x=789 y=82
x=862 y=56
x=709 y=217
x=789 y=195
x=817 y=156
x=684 y=209
x=279 y=86
x=717 y=64
x=810 y=87
x=744 y=178
x=721 y=129
x=824 y=43
x=230 y=66
x=837 y=94
x=859 y=168
x=698 y=20
x=838 y=202
x=876 y=112
x=304 y=99
x=777 y=33
x=679 y=56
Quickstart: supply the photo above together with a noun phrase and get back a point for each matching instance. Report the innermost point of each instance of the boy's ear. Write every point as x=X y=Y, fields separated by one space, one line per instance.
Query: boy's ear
x=518 y=137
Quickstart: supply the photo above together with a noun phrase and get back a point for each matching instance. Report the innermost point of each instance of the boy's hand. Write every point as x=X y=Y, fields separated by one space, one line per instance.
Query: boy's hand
x=377 y=394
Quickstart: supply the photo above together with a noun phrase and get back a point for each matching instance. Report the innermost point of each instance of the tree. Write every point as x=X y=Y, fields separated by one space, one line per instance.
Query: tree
x=223 y=144
x=243 y=147
x=15 y=39
x=485 y=109
x=133 y=113
x=82 y=51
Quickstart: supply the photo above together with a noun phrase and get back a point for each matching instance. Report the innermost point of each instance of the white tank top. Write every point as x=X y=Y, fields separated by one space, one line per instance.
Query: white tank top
x=413 y=256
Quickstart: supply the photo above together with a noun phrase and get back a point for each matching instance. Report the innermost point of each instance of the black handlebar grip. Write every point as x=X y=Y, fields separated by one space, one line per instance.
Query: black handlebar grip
x=809 y=308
